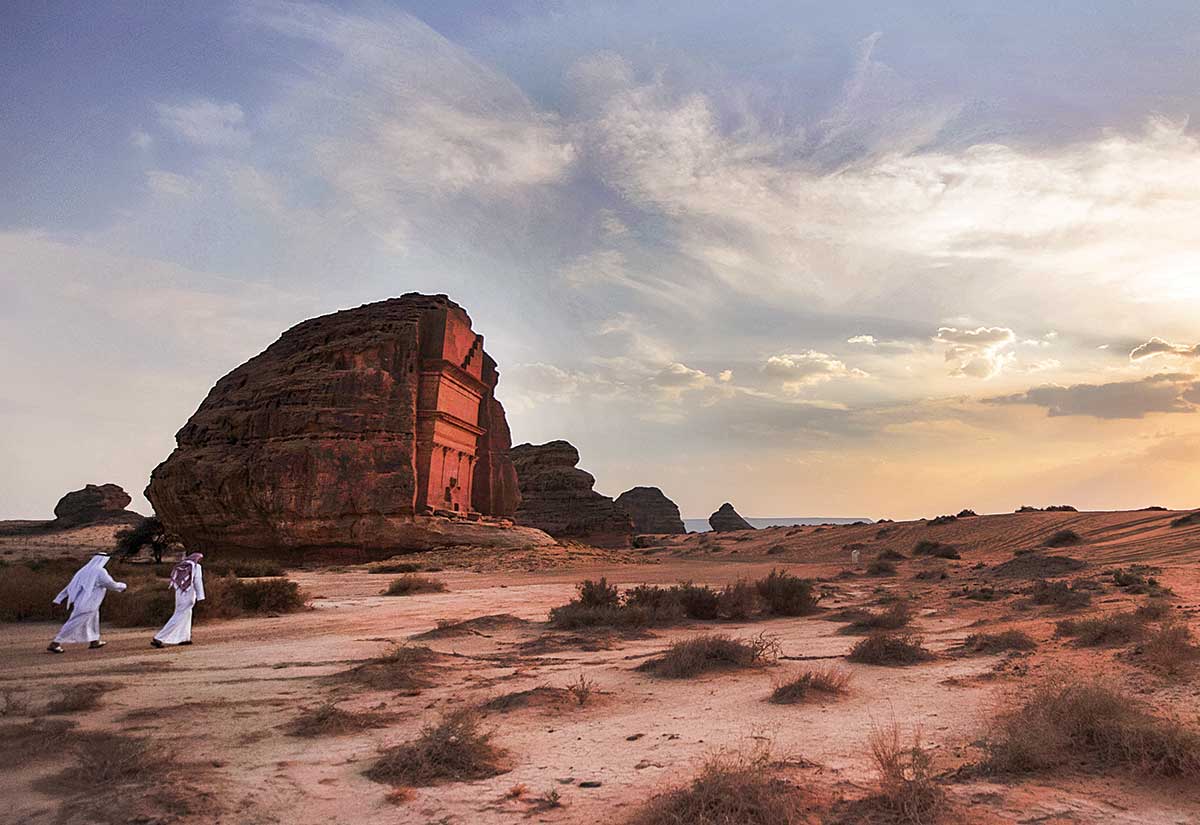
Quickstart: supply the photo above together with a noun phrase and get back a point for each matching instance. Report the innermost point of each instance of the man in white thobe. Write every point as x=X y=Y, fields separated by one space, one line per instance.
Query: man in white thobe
x=187 y=580
x=84 y=594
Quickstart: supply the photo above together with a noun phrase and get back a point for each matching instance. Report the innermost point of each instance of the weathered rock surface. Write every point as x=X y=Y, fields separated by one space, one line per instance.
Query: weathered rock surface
x=94 y=503
x=557 y=497
x=726 y=520
x=346 y=433
x=651 y=510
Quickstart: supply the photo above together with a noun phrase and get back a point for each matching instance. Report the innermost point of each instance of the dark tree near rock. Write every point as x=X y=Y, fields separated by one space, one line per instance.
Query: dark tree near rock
x=148 y=533
x=651 y=510
x=557 y=497
x=727 y=520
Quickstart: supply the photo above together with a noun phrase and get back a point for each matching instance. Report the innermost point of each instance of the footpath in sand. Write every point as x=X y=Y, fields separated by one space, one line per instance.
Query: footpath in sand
x=226 y=704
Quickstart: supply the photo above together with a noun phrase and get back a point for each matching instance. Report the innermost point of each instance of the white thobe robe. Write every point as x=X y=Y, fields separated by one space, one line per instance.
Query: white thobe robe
x=84 y=624
x=179 y=627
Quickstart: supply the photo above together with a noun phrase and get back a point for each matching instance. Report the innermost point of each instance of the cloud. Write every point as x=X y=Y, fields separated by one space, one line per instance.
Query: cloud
x=203 y=122
x=1164 y=393
x=802 y=369
x=978 y=352
x=1157 y=346
x=869 y=340
x=675 y=379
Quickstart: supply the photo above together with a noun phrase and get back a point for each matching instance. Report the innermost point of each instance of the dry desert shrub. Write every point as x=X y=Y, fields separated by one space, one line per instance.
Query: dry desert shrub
x=327 y=719
x=150 y=602
x=582 y=689
x=999 y=642
x=1061 y=721
x=797 y=688
x=715 y=651
x=783 y=594
x=908 y=792
x=1155 y=610
x=26 y=594
x=891 y=555
x=881 y=567
x=1059 y=595
x=246 y=568
x=77 y=698
x=893 y=618
x=394 y=567
x=1139 y=579
x=1064 y=538
x=1170 y=650
x=454 y=749
x=882 y=648
x=936 y=549
x=410 y=584
x=738 y=601
x=730 y=789
x=404 y=667
x=1096 y=631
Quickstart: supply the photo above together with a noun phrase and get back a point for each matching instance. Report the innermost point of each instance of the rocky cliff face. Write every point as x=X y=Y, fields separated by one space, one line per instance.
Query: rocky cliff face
x=557 y=497
x=94 y=503
x=726 y=519
x=651 y=510
x=341 y=433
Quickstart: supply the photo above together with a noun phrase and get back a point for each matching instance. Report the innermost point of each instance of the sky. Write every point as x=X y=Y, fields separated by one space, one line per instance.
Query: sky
x=863 y=259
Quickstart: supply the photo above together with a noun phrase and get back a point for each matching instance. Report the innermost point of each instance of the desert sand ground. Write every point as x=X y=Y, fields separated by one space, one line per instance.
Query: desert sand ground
x=226 y=703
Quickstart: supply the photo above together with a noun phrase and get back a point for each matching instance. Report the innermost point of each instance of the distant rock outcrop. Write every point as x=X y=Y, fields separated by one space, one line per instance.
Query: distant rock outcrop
x=93 y=504
x=557 y=497
x=371 y=429
x=726 y=520
x=651 y=510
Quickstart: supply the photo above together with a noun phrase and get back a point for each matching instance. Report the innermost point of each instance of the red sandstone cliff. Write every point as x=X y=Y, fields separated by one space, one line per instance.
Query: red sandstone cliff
x=557 y=497
x=341 y=432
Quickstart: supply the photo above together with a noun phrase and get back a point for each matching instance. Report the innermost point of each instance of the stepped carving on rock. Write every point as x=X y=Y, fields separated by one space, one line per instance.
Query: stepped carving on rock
x=557 y=497
x=373 y=429
x=727 y=520
x=651 y=510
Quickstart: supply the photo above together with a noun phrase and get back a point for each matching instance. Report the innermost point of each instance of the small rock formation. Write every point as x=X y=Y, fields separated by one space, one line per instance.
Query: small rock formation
x=557 y=497
x=371 y=429
x=652 y=512
x=94 y=503
x=726 y=520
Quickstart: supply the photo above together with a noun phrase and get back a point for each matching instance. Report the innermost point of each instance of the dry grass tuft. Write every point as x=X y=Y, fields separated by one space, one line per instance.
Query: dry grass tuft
x=786 y=595
x=404 y=668
x=1064 y=538
x=1096 y=631
x=797 y=688
x=703 y=654
x=327 y=719
x=582 y=690
x=893 y=618
x=730 y=789
x=394 y=567
x=454 y=749
x=881 y=648
x=411 y=584
x=936 y=549
x=1170 y=650
x=1060 y=722
x=907 y=791
x=880 y=567
x=77 y=698
x=1059 y=595
x=999 y=642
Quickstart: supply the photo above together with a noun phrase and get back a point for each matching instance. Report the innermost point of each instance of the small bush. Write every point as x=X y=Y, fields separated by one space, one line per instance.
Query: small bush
x=410 y=584
x=786 y=595
x=26 y=594
x=1136 y=579
x=1154 y=611
x=327 y=719
x=698 y=602
x=940 y=520
x=738 y=601
x=1064 y=538
x=967 y=514
x=1061 y=508
x=273 y=595
x=1115 y=629
x=247 y=569
x=801 y=686
x=582 y=689
x=702 y=654
x=999 y=642
x=1059 y=595
x=1170 y=650
x=890 y=649
x=77 y=698
x=891 y=555
x=907 y=790
x=894 y=618
x=599 y=594
x=1062 y=721
x=730 y=789
x=936 y=549
x=880 y=567
x=404 y=668
x=454 y=749
x=394 y=567
x=932 y=574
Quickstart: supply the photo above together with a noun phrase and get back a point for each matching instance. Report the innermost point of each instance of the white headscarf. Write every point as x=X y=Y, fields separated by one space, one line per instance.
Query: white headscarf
x=84 y=581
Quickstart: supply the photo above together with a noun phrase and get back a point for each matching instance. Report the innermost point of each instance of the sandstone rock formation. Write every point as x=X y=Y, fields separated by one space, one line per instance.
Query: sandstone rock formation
x=346 y=433
x=94 y=503
x=726 y=519
x=556 y=496
x=651 y=511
